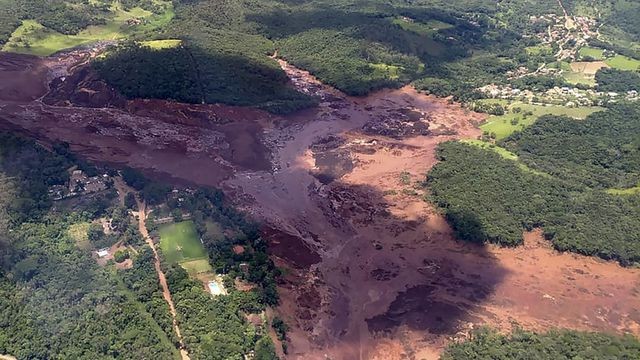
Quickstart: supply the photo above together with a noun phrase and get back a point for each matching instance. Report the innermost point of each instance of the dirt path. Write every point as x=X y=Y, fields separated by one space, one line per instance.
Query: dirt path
x=142 y=217
x=141 y=214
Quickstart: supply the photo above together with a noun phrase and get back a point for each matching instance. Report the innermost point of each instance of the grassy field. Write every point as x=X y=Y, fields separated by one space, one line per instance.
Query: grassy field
x=504 y=153
x=594 y=53
x=505 y=125
x=421 y=28
x=195 y=267
x=623 y=63
x=33 y=38
x=79 y=233
x=180 y=243
x=162 y=44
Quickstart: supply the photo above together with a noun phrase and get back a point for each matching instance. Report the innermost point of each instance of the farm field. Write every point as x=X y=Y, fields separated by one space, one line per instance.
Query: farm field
x=505 y=125
x=33 y=38
x=594 y=53
x=621 y=62
x=180 y=243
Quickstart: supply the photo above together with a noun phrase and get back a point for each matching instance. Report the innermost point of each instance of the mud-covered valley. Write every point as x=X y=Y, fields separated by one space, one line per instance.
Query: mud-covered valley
x=372 y=270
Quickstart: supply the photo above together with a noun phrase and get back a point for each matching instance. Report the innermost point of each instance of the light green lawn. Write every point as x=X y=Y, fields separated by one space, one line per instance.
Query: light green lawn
x=502 y=126
x=504 y=153
x=594 y=53
x=385 y=70
x=422 y=28
x=80 y=234
x=33 y=38
x=623 y=63
x=162 y=44
x=180 y=242
x=574 y=78
x=195 y=267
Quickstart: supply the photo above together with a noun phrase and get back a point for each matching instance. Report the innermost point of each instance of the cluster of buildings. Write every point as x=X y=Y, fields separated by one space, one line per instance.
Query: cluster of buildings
x=79 y=184
x=565 y=96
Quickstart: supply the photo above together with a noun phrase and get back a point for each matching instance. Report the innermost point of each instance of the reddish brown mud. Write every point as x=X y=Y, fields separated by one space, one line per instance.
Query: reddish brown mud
x=373 y=272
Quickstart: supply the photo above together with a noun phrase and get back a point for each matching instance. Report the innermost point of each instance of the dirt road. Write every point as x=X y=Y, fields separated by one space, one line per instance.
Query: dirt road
x=141 y=214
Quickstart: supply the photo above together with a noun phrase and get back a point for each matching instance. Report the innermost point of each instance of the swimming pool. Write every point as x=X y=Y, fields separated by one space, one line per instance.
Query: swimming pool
x=215 y=288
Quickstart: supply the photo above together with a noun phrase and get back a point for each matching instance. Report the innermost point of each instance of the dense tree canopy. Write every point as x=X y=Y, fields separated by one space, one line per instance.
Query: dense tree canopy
x=554 y=345
x=488 y=198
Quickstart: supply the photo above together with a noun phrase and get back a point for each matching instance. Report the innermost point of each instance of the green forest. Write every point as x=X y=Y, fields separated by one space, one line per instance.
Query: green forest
x=569 y=166
x=486 y=344
x=442 y=47
x=56 y=301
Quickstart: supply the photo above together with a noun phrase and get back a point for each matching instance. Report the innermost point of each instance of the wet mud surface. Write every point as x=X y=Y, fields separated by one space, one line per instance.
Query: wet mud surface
x=373 y=271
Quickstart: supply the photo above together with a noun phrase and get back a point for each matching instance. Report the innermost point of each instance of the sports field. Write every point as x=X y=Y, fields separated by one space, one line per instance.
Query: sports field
x=180 y=243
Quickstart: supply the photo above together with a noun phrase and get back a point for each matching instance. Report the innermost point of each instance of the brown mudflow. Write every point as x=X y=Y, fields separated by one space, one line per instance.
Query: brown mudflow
x=374 y=271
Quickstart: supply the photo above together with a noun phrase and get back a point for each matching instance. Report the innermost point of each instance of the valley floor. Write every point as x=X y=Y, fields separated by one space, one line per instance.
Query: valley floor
x=373 y=270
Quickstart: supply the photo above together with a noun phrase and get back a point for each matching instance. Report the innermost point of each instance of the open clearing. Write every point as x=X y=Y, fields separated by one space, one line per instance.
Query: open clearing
x=588 y=67
x=504 y=153
x=621 y=62
x=502 y=125
x=179 y=242
x=79 y=233
x=421 y=28
x=594 y=53
x=195 y=267
x=33 y=38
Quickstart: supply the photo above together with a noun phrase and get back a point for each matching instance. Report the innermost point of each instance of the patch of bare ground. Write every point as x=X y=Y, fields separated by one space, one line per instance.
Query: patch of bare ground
x=372 y=270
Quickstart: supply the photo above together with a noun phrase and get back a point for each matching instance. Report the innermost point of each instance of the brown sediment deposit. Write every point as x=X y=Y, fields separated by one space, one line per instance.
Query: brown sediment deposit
x=373 y=270
x=200 y=143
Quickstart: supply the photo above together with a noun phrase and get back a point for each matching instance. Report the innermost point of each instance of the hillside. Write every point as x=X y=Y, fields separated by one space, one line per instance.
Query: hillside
x=276 y=179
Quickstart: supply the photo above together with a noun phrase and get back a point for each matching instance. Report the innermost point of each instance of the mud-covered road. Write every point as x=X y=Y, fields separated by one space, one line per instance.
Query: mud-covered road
x=373 y=271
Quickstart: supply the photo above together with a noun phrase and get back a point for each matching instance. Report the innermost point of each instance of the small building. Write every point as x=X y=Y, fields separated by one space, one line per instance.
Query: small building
x=103 y=252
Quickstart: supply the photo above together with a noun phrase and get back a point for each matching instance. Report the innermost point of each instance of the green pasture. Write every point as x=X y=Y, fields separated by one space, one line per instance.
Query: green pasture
x=502 y=125
x=622 y=62
x=195 y=267
x=594 y=53
x=33 y=38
